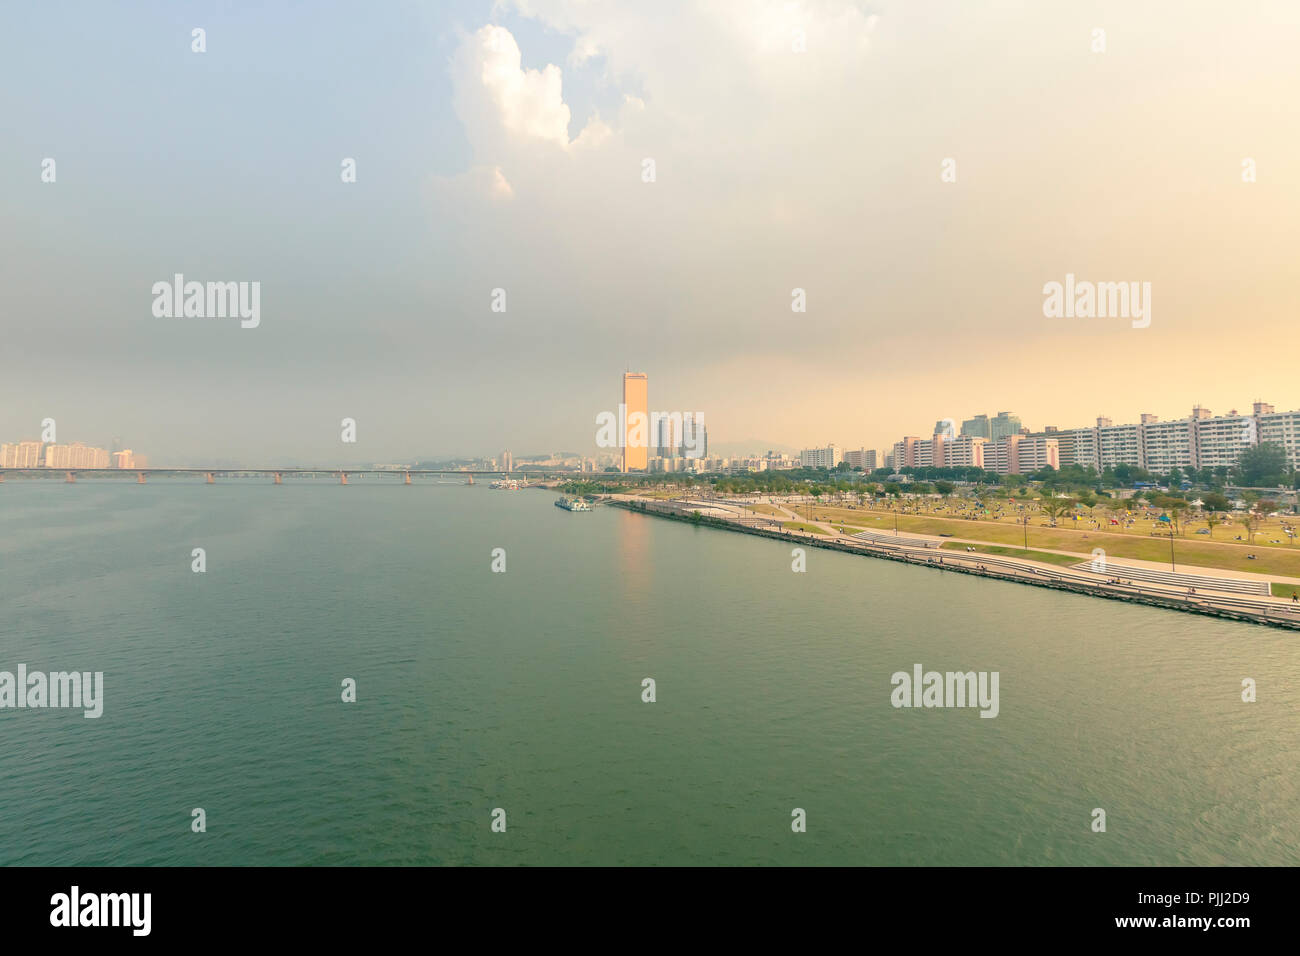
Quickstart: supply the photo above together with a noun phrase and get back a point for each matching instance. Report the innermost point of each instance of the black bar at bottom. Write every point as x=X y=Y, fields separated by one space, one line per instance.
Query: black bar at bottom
x=978 y=905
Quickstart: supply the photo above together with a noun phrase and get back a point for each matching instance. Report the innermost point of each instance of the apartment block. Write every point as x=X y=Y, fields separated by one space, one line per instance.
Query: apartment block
x=1220 y=441
x=1282 y=428
x=22 y=454
x=828 y=457
x=864 y=458
x=1168 y=445
x=76 y=455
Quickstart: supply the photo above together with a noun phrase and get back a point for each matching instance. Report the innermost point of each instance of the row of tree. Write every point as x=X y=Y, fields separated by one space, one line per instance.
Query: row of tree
x=1260 y=466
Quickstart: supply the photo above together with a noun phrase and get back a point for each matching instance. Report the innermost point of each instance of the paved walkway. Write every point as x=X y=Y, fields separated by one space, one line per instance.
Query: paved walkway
x=924 y=549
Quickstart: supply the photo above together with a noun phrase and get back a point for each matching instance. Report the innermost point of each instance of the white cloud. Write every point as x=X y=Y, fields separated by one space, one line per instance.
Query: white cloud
x=499 y=102
x=736 y=123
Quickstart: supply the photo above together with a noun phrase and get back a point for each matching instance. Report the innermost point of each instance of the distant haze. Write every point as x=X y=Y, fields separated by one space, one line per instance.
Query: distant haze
x=502 y=146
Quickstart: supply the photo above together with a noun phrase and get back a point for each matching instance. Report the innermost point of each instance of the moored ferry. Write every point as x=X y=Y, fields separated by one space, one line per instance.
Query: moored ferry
x=572 y=504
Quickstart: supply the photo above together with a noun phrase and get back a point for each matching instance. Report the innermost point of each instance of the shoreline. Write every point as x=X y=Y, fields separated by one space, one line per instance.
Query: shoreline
x=996 y=568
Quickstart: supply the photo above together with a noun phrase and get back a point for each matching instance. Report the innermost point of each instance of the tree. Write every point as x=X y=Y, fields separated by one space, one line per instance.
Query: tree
x=944 y=488
x=1262 y=465
x=1214 y=501
x=1178 y=510
x=1055 y=507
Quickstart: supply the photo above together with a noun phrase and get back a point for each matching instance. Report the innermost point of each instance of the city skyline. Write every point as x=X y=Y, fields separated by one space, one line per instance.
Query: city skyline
x=1173 y=445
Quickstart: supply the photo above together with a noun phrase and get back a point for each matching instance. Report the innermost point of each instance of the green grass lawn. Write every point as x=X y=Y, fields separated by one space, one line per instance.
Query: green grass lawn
x=1192 y=550
x=1284 y=590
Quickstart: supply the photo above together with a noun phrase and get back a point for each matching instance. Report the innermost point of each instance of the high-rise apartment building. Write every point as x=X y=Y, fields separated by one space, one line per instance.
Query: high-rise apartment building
x=695 y=436
x=1167 y=445
x=1035 y=452
x=76 y=455
x=965 y=451
x=1003 y=426
x=905 y=452
x=864 y=458
x=1281 y=428
x=1077 y=446
x=1201 y=440
x=1119 y=445
x=636 y=437
x=22 y=454
x=828 y=457
x=1022 y=454
x=1220 y=441
x=667 y=440
x=977 y=427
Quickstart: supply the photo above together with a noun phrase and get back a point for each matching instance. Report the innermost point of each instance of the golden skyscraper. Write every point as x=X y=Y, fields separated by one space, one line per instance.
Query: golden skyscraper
x=636 y=438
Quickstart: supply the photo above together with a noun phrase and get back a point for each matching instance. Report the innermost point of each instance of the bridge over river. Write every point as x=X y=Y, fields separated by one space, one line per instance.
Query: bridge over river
x=276 y=474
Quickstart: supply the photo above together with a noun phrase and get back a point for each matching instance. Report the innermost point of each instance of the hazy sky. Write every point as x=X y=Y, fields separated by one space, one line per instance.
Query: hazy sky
x=502 y=146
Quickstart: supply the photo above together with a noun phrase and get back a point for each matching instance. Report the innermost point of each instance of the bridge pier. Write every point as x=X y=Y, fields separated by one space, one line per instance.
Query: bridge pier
x=277 y=478
x=211 y=479
x=139 y=477
x=408 y=478
x=71 y=479
x=343 y=477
